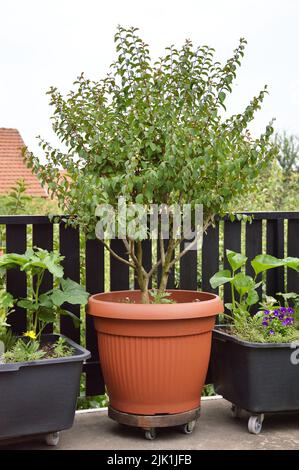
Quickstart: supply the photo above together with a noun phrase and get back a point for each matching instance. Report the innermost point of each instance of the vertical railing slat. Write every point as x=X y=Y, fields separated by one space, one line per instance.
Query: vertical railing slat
x=188 y=268
x=119 y=271
x=16 y=280
x=69 y=239
x=232 y=241
x=253 y=247
x=95 y=278
x=42 y=237
x=293 y=250
x=210 y=257
x=275 y=247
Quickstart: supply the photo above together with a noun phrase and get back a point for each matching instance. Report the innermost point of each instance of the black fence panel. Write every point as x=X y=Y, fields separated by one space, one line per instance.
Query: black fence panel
x=188 y=268
x=16 y=242
x=119 y=271
x=69 y=243
x=95 y=283
x=275 y=247
x=210 y=257
x=42 y=237
x=293 y=250
x=253 y=247
x=88 y=257
x=232 y=241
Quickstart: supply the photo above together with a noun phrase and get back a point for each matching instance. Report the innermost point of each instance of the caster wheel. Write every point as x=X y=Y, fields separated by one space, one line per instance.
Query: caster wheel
x=236 y=411
x=52 y=438
x=255 y=424
x=188 y=428
x=150 y=434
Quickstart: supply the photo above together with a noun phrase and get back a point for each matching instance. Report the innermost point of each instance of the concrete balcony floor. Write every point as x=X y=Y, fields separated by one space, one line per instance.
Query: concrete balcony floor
x=215 y=429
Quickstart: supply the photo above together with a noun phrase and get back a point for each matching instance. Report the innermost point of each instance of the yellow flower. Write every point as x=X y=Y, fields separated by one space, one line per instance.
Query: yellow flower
x=30 y=334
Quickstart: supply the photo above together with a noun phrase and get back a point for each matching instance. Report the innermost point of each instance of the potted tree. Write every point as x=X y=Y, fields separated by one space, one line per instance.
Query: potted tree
x=153 y=133
x=254 y=362
x=39 y=373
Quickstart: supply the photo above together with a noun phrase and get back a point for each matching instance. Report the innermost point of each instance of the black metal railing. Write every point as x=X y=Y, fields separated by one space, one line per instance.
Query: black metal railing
x=276 y=233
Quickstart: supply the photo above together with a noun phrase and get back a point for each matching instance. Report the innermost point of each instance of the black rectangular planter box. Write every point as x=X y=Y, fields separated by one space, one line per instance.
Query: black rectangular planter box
x=40 y=397
x=257 y=377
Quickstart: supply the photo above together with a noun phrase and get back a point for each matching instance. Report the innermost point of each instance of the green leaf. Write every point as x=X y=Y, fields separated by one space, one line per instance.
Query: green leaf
x=45 y=300
x=296 y=314
x=153 y=146
x=6 y=300
x=67 y=313
x=229 y=306
x=139 y=199
x=28 y=304
x=12 y=260
x=236 y=260
x=288 y=295
x=264 y=262
x=48 y=262
x=53 y=266
x=46 y=315
x=73 y=292
x=252 y=297
x=292 y=263
x=221 y=96
x=220 y=278
x=258 y=284
x=58 y=297
x=243 y=283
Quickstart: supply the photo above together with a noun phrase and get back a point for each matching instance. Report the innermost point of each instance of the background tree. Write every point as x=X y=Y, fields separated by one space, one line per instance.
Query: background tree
x=288 y=153
x=152 y=133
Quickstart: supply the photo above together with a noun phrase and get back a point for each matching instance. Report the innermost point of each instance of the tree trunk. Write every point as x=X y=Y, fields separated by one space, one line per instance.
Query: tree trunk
x=143 y=281
x=164 y=278
x=145 y=297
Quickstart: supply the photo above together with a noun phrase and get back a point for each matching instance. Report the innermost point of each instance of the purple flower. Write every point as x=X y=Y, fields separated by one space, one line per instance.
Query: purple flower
x=290 y=310
x=266 y=312
x=283 y=309
x=271 y=332
x=265 y=323
x=288 y=321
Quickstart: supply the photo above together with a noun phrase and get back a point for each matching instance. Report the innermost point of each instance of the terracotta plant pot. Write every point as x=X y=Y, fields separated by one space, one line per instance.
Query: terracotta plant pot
x=154 y=357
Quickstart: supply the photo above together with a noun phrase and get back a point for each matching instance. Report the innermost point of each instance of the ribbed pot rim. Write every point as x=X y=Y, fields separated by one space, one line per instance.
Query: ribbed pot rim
x=108 y=305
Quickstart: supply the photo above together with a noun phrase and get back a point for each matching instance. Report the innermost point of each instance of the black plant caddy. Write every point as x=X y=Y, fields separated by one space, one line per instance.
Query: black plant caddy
x=40 y=397
x=256 y=377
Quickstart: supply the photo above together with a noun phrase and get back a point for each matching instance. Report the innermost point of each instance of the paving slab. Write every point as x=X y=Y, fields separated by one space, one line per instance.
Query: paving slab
x=216 y=429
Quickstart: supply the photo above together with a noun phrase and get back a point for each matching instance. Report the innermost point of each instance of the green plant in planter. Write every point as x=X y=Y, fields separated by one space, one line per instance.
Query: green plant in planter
x=274 y=323
x=45 y=308
x=6 y=307
x=153 y=133
x=42 y=308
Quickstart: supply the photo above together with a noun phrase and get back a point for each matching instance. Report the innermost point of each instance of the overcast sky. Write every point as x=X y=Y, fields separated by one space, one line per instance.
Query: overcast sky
x=50 y=42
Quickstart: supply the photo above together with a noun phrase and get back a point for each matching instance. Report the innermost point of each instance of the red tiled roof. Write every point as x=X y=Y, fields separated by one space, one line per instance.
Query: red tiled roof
x=12 y=167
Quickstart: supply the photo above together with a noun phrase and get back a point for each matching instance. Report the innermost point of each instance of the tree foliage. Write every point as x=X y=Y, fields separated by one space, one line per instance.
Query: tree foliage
x=153 y=132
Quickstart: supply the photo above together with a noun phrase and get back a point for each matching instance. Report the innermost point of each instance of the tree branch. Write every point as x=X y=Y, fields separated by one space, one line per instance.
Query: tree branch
x=154 y=268
x=182 y=253
x=115 y=255
x=162 y=250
